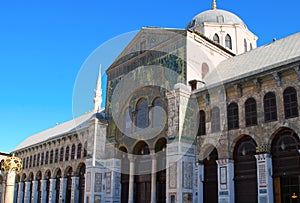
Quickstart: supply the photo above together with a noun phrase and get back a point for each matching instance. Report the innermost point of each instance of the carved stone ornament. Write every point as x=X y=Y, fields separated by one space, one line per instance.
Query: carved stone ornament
x=11 y=164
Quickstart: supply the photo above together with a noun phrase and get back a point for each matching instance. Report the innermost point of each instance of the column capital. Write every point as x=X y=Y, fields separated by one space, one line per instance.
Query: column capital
x=224 y=161
x=132 y=157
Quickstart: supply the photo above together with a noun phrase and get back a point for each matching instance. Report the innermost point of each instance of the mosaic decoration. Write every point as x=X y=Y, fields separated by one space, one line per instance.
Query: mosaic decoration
x=262 y=174
x=108 y=182
x=187 y=175
x=98 y=182
x=172 y=175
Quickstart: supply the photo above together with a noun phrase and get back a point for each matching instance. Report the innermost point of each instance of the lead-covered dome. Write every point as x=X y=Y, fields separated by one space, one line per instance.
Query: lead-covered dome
x=215 y=16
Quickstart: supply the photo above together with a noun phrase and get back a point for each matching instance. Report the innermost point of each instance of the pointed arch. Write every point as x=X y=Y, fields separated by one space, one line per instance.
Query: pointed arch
x=228 y=41
x=216 y=38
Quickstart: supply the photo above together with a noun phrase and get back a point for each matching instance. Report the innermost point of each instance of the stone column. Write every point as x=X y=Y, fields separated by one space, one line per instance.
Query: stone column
x=200 y=180
x=34 y=194
x=20 y=193
x=52 y=192
x=264 y=178
x=225 y=180
x=153 y=178
x=63 y=189
x=16 y=192
x=10 y=165
x=27 y=192
x=75 y=192
x=44 y=191
x=131 y=178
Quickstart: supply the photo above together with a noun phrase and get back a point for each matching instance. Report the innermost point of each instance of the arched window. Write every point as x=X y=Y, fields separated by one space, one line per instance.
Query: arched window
x=233 y=116
x=30 y=162
x=204 y=70
x=56 y=156
x=128 y=120
x=201 y=130
x=216 y=38
x=47 y=157
x=42 y=158
x=142 y=114
x=270 y=107
x=61 y=156
x=157 y=113
x=228 y=42
x=215 y=119
x=73 y=152
x=27 y=162
x=245 y=45
x=34 y=160
x=85 y=149
x=250 y=112
x=51 y=157
x=38 y=159
x=79 y=147
x=290 y=103
x=67 y=153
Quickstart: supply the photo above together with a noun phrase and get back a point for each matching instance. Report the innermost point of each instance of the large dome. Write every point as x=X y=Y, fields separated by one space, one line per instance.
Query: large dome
x=215 y=16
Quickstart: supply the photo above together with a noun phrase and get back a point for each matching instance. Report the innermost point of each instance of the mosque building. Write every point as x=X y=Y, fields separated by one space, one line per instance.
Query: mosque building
x=193 y=115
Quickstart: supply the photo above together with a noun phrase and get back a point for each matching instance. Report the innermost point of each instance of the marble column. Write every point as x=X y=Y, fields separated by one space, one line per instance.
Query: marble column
x=20 y=193
x=10 y=186
x=153 y=178
x=34 y=194
x=44 y=191
x=16 y=192
x=63 y=190
x=200 y=180
x=27 y=192
x=52 y=191
x=225 y=180
x=131 y=178
x=264 y=178
x=75 y=191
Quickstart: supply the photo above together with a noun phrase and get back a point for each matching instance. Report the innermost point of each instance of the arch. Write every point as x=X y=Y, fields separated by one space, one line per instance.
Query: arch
x=79 y=151
x=30 y=177
x=228 y=41
x=47 y=157
x=202 y=123
x=68 y=175
x=73 y=151
x=215 y=119
x=233 y=116
x=290 y=101
x=81 y=184
x=51 y=157
x=47 y=177
x=204 y=70
x=245 y=45
x=143 y=167
x=67 y=153
x=141 y=120
x=216 y=38
x=245 y=170
x=57 y=173
x=61 y=154
x=39 y=185
x=210 y=181
x=270 y=107
x=57 y=176
x=124 y=173
x=250 y=112
x=141 y=148
x=157 y=112
x=24 y=177
x=285 y=148
x=160 y=144
x=56 y=155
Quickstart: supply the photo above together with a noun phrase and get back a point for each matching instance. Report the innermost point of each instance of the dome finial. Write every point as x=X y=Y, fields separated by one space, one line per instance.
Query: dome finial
x=214 y=5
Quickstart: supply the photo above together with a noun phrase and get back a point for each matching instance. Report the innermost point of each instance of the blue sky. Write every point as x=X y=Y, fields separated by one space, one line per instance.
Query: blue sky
x=44 y=44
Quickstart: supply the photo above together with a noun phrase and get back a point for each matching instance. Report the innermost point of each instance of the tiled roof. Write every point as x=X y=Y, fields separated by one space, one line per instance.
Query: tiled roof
x=264 y=58
x=64 y=128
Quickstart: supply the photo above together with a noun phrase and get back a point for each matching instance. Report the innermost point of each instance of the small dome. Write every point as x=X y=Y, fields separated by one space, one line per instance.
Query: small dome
x=215 y=16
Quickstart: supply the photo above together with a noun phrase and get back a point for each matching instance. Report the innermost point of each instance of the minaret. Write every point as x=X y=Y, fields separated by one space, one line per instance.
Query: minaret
x=98 y=93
